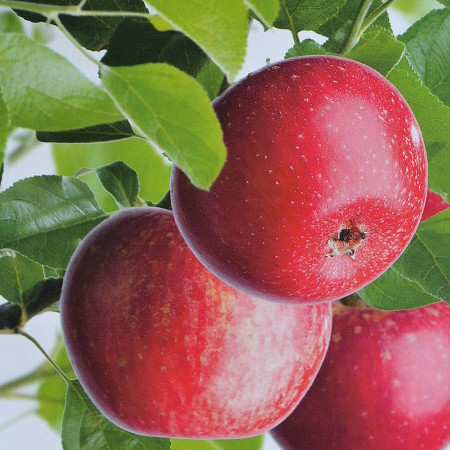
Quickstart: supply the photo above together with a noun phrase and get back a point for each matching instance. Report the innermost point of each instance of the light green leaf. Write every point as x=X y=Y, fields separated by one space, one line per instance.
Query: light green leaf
x=152 y=168
x=428 y=51
x=121 y=182
x=43 y=91
x=211 y=78
x=52 y=391
x=46 y=217
x=306 y=47
x=18 y=277
x=266 y=10
x=433 y=117
x=9 y=22
x=219 y=28
x=4 y=128
x=379 y=49
x=174 y=112
x=421 y=275
x=85 y=428
x=254 y=443
x=306 y=14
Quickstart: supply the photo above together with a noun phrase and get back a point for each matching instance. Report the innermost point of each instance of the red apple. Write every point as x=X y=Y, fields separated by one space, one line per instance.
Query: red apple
x=384 y=384
x=164 y=348
x=323 y=187
x=434 y=204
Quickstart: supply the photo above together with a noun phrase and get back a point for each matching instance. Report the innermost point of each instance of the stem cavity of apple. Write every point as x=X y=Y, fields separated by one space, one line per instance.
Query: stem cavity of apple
x=346 y=240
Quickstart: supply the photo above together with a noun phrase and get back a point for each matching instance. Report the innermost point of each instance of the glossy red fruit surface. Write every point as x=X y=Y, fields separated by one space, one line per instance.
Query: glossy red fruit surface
x=323 y=187
x=434 y=204
x=164 y=348
x=384 y=384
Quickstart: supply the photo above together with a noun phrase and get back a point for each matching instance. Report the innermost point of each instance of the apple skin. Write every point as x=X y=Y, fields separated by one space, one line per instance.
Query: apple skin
x=433 y=205
x=164 y=348
x=316 y=145
x=383 y=384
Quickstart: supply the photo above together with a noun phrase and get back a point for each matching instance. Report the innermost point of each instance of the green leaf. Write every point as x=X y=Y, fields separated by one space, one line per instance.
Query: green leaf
x=139 y=42
x=97 y=133
x=421 y=275
x=266 y=10
x=254 y=443
x=433 y=117
x=306 y=14
x=152 y=168
x=93 y=33
x=339 y=26
x=52 y=391
x=121 y=182
x=212 y=79
x=379 y=49
x=4 y=127
x=173 y=111
x=46 y=217
x=10 y=23
x=428 y=51
x=85 y=428
x=43 y=91
x=220 y=31
x=446 y=3
x=18 y=277
x=306 y=47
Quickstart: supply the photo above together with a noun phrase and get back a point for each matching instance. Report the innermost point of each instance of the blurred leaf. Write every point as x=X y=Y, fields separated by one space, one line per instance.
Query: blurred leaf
x=428 y=51
x=92 y=33
x=4 y=128
x=420 y=276
x=379 y=49
x=138 y=42
x=52 y=391
x=85 y=428
x=433 y=117
x=254 y=443
x=446 y=3
x=97 y=133
x=152 y=168
x=10 y=23
x=212 y=79
x=307 y=14
x=306 y=47
x=18 y=277
x=338 y=27
x=220 y=31
x=46 y=217
x=173 y=111
x=266 y=10
x=43 y=91
x=121 y=182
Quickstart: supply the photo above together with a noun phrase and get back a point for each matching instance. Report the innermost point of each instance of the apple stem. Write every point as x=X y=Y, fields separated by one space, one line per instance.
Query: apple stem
x=355 y=31
x=46 y=355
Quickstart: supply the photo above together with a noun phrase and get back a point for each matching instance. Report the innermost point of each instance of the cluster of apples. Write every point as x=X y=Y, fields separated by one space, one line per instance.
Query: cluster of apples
x=214 y=320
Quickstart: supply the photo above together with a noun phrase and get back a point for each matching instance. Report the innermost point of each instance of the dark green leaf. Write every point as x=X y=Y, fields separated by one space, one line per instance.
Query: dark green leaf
x=93 y=33
x=52 y=391
x=121 y=182
x=433 y=117
x=18 y=277
x=4 y=127
x=421 y=275
x=338 y=27
x=428 y=51
x=173 y=111
x=254 y=443
x=266 y=10
x=379 y=49
x=139 y=42
x=85 y=428
x=306 y=14
x=445 y=3
x=97 y=133
x=43 y=91
x=152 y=168
x=220 y=31
x=306 y=47
x=46 y=217
x=212 y=79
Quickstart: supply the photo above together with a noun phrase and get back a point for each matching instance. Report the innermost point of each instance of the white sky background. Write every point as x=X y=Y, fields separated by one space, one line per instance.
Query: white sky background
x=17 y=355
